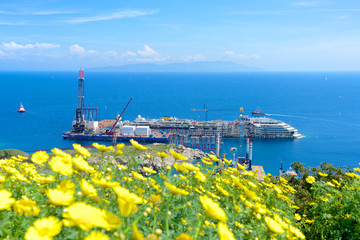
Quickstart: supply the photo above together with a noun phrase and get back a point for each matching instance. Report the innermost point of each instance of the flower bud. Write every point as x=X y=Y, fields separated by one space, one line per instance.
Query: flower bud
x=158 y=231
x=148 y=210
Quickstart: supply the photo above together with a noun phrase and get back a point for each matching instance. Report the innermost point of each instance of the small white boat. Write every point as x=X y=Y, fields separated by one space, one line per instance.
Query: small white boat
x=21 y=109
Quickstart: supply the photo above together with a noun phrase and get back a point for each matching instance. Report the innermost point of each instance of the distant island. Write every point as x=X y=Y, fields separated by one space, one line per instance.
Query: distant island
x=205 y=66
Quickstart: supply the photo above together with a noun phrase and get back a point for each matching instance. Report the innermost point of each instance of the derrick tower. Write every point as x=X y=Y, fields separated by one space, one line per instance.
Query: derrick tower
x=80 y=110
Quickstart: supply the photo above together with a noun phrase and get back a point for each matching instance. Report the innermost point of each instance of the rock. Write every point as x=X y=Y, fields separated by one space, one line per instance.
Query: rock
x=169 y=161
x=93 y=160
x=156 y=163
x=8 y=153
x=120 y=160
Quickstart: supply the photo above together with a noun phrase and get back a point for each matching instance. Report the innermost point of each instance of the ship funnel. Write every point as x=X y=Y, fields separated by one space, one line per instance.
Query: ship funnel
x=247 y=149
x=250 y=156
x=218 y=145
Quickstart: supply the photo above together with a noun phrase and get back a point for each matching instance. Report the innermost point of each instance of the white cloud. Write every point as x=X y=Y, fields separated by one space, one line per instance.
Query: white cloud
x=147 y=60
x=306 y=4
x=128 y=54
x=111 y=53
x=79 y=50
x=16 y=46
x=342 y=17
x=231 y=54
x=51 y=12
x=2 y=54
x=193 y=58
x=148 y=51
x=116 y=15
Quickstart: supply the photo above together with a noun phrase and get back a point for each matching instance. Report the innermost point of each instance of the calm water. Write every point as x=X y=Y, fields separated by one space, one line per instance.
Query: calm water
x=326 y=111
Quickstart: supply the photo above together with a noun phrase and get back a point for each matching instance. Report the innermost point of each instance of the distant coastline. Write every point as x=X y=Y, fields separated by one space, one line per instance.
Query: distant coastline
x=205 y=66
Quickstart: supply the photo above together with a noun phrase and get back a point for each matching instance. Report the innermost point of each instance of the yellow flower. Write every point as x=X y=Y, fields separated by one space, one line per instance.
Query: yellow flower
x=149 y=170
x=110 y=221
x=200 y=176
x=297 y=217
x=59 y=197
x=103 y=148
x=184 y=236
x=180 y=168
x=60 y=153
x=155 y=199
x=227 y=161
x=44 y=229
x=273 y=225
x=239 y=225
x=127 y=201
x=84 y=216
x=174 y=190
x=212 y=209
x=177 y=156
x=120 y=146
x=82 y=165
x=58 y=166
x=330 y=184
x=26 y=206
x=81 y=150
x=224 y=232
x=121 y=167
x=310 y=179
x=118 y=152
x=102 y=182
x=190 y=166
x=240 y=166
x=252 y=195
x=66 y=185
x=309 y=221
x=222 y=191
x=96 y=235
x=162 y=176
x=87 y=189
x=162 y=154
x=2 y=179
x=207 y=162
x=137 y=146
x=138 y=176
x=213 y=158
x=137 y=235
x=323 y=174
x=296 y=232
x=5 y=199
x=40 y=157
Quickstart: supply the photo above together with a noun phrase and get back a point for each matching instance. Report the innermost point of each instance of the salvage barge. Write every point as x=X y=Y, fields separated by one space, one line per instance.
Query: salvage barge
x=170 y=129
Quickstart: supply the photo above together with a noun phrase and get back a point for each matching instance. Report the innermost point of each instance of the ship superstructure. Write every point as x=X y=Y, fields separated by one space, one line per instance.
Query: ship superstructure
x=262 y=127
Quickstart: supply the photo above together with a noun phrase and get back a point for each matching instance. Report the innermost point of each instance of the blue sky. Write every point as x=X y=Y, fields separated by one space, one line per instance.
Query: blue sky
x=269 y=34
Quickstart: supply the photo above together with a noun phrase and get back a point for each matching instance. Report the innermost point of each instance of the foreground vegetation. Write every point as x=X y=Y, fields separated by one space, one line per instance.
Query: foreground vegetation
x=63 y=196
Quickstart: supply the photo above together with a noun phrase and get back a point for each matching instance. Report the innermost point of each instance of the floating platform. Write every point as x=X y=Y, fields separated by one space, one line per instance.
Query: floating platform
x=120 y=138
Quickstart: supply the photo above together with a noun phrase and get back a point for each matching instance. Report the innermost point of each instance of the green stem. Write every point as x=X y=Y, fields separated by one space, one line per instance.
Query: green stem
x=130 y=226
x=198 y=229
x=154 y=226
x=167 y=218
x=80 y=234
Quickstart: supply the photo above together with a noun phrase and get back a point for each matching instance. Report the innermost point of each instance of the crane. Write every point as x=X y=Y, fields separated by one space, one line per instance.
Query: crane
x=203 y=110
x=113 y=131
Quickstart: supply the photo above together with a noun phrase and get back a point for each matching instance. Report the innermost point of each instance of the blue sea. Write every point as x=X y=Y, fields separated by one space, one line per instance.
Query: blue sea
x=324 y=106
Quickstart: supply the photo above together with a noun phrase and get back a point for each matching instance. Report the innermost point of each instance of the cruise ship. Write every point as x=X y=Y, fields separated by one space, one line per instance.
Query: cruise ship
x=244 y=126
x=263 y=127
